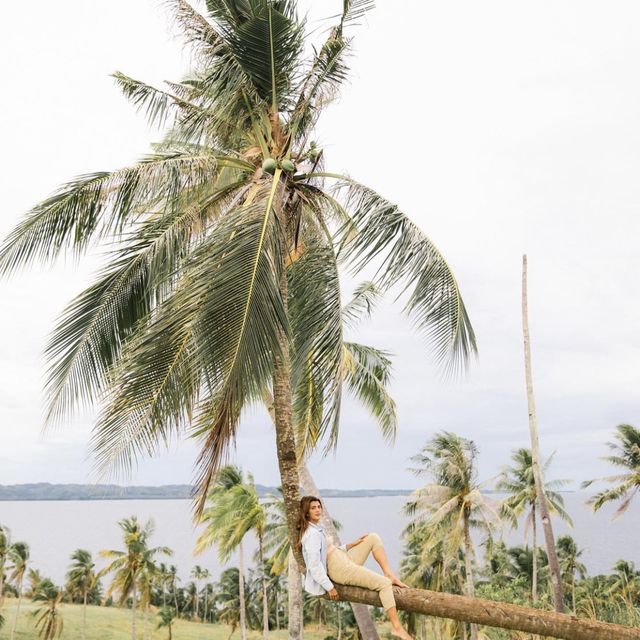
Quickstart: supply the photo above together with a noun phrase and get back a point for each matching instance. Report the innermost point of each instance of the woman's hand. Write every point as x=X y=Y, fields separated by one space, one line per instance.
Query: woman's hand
x=355 y=543
x=333 y=594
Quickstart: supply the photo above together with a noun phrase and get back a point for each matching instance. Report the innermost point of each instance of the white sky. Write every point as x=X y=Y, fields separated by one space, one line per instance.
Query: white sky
x=500 y=127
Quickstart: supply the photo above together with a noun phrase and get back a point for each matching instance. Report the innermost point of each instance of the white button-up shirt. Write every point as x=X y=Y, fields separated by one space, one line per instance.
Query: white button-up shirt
x=314 y=551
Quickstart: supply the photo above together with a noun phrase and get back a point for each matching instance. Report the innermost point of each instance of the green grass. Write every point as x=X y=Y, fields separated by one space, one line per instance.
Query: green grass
x=111 y=623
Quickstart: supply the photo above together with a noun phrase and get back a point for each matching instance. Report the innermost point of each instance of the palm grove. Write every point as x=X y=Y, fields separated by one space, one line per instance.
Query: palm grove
x=222 y=286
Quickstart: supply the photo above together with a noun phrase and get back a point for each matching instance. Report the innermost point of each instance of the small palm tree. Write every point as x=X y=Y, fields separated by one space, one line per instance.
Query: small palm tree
x=233 y=514
x=82 y=578
x=19 y=558
x=626 y=456
x=227 y=598
x=518 y=481
x=167 y=616
x=453 y=504
x=626 y=582
x=49 y=622
x=198 y=573
x=129 y=566
x=570 y=565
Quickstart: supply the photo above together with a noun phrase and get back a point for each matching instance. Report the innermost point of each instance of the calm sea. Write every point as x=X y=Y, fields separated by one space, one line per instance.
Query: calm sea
x=54 y=529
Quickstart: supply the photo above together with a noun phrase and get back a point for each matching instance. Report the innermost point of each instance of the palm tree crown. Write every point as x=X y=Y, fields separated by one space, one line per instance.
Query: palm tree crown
x=229 y=222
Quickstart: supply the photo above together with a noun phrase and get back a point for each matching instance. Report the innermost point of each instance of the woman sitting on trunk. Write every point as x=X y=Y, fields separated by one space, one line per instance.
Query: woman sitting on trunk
x=326 y=562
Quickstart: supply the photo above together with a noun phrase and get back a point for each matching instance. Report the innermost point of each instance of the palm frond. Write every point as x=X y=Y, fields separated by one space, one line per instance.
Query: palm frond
x=361 y=305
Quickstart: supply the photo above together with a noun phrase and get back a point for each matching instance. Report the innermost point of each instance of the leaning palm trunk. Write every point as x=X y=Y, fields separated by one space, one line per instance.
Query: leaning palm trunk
x=363 y=617
x=243 y=606
x=294 y=586
x=534 y=559
x=554 y=565
x=15 y=619
x=283 y=418
x=468 y=555
x=494 y=614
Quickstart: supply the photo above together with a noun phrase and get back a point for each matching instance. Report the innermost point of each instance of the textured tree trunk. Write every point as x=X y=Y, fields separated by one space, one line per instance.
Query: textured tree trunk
x=294 y=585
x=494 y=614
x=15 y=618
x=285 y=437
x=145 y=624
x=360 y=611
x=468 y=569
x=243 y=606
x=554 y=565
x=534 y=562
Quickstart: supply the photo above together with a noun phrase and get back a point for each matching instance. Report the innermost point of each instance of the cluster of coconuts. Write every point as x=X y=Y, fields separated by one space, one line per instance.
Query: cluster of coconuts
x=269 y=165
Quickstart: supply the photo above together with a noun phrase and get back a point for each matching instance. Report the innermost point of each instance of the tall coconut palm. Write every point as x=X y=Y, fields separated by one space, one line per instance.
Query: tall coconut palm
x=5 y=546
x=188 y=323
x=571 y=565
x=626 y=455
x=231 y=517
x=19 y=559
x=224 y=482
x=129 y=566
x=82 y=578
x=518 y=481
x=452 y=504
x=49 y=621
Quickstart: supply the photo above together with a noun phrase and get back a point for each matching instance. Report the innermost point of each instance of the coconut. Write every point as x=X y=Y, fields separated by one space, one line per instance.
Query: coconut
x=288 y=166
x=269 y=165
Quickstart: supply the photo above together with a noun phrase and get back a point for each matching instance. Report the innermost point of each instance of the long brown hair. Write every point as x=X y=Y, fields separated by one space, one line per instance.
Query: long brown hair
x=303 y=516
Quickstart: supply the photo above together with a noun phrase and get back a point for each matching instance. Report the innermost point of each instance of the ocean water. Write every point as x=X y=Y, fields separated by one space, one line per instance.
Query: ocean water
x=53 y=529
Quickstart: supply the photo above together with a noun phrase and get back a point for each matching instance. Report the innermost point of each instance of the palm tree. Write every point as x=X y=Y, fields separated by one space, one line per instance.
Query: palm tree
x=82 y=577
x=453 y=503
x=518 y=481
x=230 y=220
x=130 y=565
x=227 y=598
x=626 y=582
x=198 y=573
x=232 y=515
x=48 y=619
x=167 y=616
x=19 y=558
x=5 y=546
x=570 y=563
x=224 y=482
x=627 y=456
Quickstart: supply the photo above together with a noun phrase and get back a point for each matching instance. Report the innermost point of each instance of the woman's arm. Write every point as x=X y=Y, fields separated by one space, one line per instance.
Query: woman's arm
x=355 y=543
x=318 y=571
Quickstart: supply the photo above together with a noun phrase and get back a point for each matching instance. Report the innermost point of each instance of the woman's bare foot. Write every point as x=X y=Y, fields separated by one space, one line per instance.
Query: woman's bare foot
x=395 y=581
x=399 y=632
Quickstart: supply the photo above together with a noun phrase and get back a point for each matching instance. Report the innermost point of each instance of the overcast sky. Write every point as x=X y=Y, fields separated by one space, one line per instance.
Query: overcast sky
x=500 y=127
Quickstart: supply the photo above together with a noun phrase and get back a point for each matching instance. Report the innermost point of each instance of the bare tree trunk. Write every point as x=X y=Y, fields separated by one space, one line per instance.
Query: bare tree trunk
x=361 y=613
x=145 y=627
x=84 y=616
x=534 y=562
x=243 y=606
x=554 y=565
x=15 y=618
x=133 y=614
x=283 y=418
x=294 y=584
x=494 y=614
x=468 y=557
x=265 y=600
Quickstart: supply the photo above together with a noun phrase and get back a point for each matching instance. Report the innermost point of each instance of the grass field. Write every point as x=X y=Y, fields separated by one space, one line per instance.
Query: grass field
x=111 y=623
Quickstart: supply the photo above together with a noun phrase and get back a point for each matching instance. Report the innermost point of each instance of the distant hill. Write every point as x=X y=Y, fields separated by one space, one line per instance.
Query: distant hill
x=48 y=491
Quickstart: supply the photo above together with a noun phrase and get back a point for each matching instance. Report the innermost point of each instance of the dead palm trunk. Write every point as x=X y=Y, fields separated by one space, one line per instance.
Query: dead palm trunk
x=554 y=565
x=294 y=585
x=243 y=606
x=468 y=556
x=363 y=617
x=491 y=613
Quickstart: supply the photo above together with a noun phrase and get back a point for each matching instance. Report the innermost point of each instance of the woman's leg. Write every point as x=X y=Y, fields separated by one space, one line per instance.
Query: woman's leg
x=343 y=570
x=372 y=543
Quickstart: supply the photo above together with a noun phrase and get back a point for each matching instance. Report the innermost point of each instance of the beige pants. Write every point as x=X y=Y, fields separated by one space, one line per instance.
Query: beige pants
x=346 y=568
